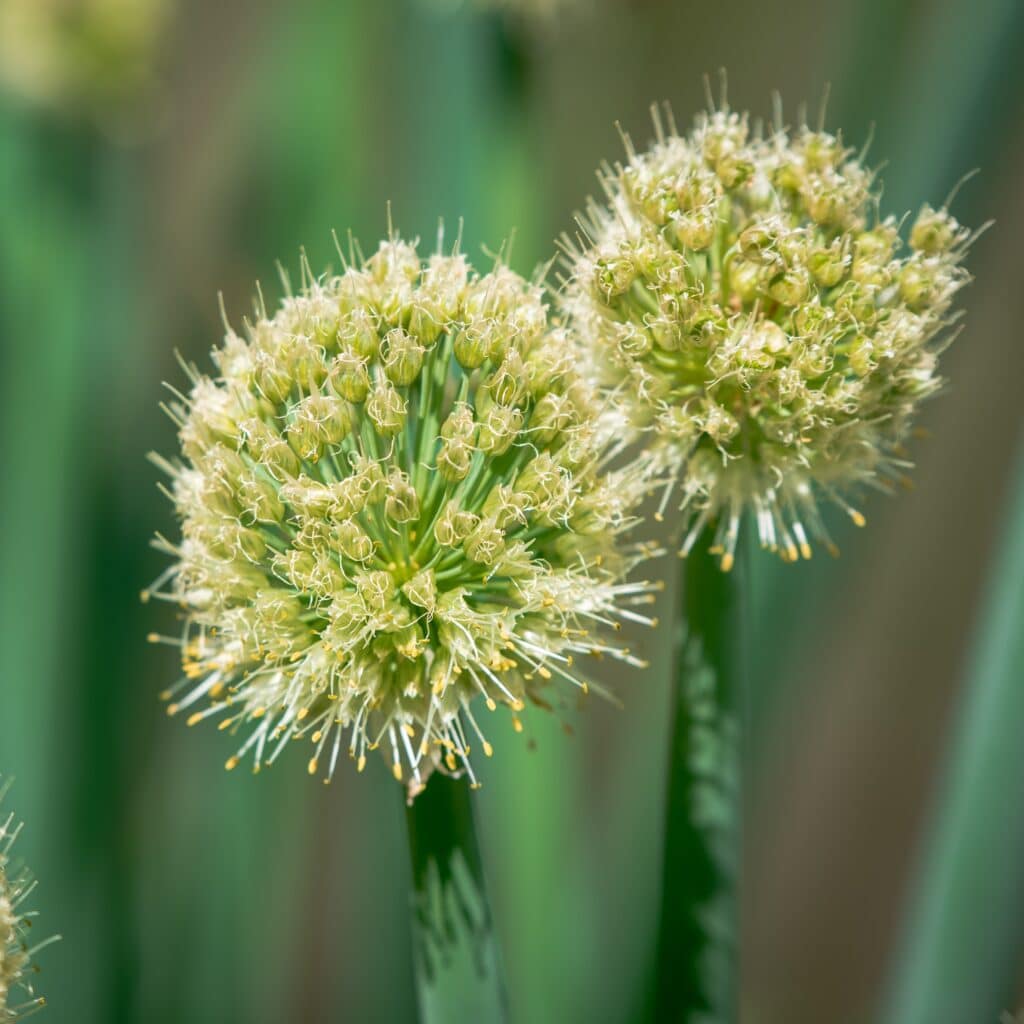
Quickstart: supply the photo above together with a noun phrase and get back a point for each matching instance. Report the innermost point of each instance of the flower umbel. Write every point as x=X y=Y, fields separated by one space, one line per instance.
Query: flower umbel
x=395 y=498
x=767 y=326
x=17 y=999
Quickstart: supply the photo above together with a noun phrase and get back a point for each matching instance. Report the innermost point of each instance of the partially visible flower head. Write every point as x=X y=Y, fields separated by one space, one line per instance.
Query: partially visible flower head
x=92 y=55
x=395 y=499
x=770 y=331
x=17 y=998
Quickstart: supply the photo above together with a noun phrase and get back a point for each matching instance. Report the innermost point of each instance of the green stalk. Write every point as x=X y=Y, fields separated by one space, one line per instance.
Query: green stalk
x=961 y=952
x=455 y=950
x=696 y=965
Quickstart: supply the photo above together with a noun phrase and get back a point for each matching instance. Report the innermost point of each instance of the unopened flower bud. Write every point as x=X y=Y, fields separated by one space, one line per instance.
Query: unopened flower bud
x=349 y=378
x=386 y=409
x=454 y=525
x=422 y=590
x=499 y=429
x=485 y=543
x=353 y=541
x=402 y=504
x=402 y=356
x=357 y=334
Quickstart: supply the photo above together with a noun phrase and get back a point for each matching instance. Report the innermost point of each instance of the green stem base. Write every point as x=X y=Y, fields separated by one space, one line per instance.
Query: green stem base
x=457 y=961
x=696 y=965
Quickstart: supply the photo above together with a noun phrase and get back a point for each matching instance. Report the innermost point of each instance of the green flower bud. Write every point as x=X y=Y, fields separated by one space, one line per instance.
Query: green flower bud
x=485 y=543
x=472 y=346
x=507 y=385
x=402 y=504
x=349 y=378
x=357 y=333
x=936 y=232
x=551 y=415
x=828 y=266
x=318 y=422
x=259 y=499
x=454 y=525
x=402 y=356
x=386 y=409
x=422 y=590
x=353 y=541
x=499 y=429
x=455 y=459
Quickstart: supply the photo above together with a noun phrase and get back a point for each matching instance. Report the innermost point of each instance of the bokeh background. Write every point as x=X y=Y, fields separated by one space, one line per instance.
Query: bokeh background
x=155 y=153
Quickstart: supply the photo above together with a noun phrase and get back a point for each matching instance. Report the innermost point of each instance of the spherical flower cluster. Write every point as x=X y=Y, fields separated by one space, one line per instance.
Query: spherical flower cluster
x=768 y=329
x=16 y=996
x=395 y=498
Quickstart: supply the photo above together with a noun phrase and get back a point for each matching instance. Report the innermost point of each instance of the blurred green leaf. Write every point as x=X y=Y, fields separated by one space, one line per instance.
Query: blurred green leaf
x=961 y=952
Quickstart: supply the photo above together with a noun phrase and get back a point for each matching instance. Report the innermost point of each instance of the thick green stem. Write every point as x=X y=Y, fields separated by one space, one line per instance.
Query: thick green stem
x=457 y=963
x=696 y=966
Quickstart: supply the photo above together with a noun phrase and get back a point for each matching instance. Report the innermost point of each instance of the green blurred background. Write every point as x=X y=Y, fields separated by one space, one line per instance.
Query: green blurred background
x=158 y=155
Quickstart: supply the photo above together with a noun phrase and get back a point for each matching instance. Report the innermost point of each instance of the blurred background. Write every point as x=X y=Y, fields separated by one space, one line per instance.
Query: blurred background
x=154 y=153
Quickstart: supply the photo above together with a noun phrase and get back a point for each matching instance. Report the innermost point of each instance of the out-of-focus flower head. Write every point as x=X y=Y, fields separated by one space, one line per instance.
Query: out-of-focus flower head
x=17 y=998
x=768 y=328
x=396 y=507
x=91 y=56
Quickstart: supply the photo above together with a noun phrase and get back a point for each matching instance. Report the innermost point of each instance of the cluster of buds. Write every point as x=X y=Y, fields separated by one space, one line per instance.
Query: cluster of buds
x=395 y=497
x=17 y=998
x=769 y=332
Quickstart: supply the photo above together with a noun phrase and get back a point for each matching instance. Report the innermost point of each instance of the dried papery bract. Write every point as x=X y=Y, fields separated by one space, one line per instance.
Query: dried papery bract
x=17 y=996
x=397 y=508
x=771 y=332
